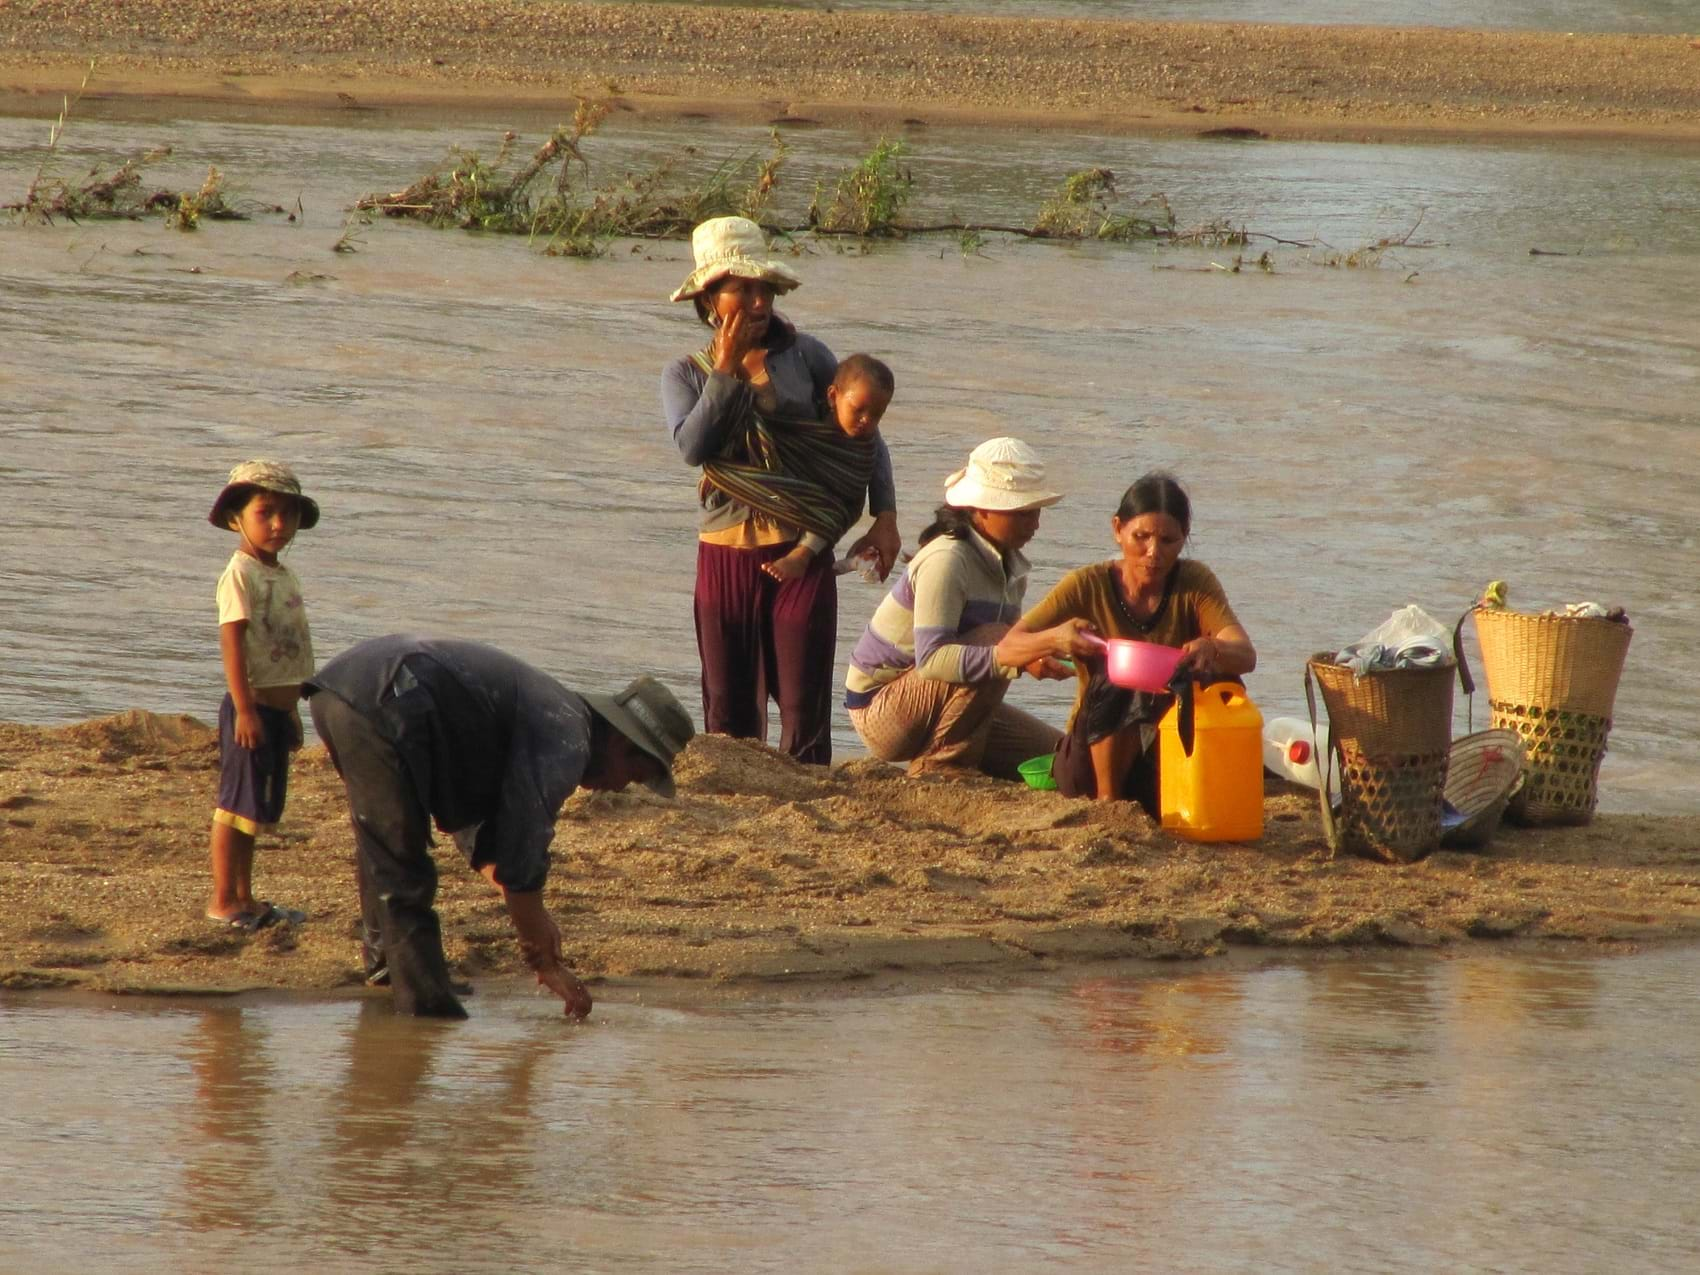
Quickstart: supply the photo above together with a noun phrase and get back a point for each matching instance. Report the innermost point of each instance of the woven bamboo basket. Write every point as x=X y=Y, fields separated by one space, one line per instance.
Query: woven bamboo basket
x=1483 y=771
x=1392 y=731
x=1553 y=680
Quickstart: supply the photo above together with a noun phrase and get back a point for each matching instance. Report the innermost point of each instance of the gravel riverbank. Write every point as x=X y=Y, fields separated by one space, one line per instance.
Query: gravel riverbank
x=267 y=57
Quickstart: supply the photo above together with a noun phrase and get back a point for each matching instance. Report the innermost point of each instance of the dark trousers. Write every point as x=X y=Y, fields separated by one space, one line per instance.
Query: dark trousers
x=396 y=875
x=758 y=638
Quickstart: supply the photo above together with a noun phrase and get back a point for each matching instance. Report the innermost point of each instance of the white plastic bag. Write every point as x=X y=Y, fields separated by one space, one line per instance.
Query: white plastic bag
x=1409 y=638
x=1409 y=626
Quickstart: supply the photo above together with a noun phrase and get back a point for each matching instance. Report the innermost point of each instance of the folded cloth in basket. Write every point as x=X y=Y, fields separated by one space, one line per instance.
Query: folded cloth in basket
x=1362 y=657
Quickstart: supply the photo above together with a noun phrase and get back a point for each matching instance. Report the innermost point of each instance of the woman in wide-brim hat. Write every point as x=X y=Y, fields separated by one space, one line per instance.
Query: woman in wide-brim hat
x=928 y=676
x=759 y=637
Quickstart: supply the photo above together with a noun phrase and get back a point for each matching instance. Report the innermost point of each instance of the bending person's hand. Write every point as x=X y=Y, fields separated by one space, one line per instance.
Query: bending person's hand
x=575 y=996
x=540 y=946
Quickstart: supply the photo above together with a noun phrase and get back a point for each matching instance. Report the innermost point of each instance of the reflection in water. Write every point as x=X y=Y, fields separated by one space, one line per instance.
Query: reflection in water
x=226 y=1183
x=1153 y=1018
x=1526 y=1113
x=430 y=1142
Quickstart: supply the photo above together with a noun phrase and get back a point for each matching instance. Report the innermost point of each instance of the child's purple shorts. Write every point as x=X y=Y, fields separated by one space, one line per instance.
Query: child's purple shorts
x=252 y=782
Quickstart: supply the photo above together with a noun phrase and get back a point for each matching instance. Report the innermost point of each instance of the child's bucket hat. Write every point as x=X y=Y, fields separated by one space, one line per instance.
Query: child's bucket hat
x=649 y=715
x=267 y=475
x=732 y=246
x=1003 y=474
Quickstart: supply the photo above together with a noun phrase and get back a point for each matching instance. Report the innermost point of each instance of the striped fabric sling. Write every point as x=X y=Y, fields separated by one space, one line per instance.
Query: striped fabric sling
x=803 y=473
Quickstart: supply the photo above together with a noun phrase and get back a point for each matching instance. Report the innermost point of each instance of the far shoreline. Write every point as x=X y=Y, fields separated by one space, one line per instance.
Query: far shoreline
x=396 y=61
x=149 y=98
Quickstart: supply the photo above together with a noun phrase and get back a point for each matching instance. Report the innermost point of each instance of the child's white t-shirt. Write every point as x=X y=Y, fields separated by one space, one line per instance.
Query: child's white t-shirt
x=278 y=646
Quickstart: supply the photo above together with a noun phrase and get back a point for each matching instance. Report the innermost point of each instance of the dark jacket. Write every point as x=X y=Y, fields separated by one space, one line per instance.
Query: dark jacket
x=493 y=745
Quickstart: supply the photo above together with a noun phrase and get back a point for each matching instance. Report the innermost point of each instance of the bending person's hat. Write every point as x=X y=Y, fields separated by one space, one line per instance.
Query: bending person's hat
x=1003 y=474
x=266 y=475
x=732 y=246
x=649 y=715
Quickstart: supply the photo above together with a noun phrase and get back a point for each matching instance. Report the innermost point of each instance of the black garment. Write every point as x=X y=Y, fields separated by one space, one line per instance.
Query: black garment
x=1106 y=710
x=456 y=731
x=1109 y=709
x=493 y=745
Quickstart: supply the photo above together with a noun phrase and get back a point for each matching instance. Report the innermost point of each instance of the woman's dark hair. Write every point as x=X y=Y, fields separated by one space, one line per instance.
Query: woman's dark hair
x=948 y=520
x=701 y=302
x=1157 y=493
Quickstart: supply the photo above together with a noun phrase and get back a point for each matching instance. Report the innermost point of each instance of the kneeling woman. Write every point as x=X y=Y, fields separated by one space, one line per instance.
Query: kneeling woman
x=1149 y=594
x=927 y=678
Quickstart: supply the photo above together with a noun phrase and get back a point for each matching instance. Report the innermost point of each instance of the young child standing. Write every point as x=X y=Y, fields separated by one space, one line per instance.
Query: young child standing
x=856 y=400
x=268 y=654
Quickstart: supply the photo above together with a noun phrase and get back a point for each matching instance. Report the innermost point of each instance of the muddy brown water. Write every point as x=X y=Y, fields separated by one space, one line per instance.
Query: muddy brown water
x=1516 y=1112
x=481 y=423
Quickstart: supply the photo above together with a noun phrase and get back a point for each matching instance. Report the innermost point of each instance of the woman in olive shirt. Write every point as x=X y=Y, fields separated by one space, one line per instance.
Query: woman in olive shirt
x=1149 y=594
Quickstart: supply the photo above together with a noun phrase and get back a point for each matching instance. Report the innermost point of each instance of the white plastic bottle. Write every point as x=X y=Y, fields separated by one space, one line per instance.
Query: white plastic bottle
x=1291 y=751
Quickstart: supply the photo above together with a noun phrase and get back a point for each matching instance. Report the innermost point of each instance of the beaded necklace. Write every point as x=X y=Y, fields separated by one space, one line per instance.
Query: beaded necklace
x=1119 y=592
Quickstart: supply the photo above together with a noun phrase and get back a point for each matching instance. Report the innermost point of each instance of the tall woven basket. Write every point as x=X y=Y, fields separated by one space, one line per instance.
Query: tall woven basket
x=1392 y=731
x=1553 y=680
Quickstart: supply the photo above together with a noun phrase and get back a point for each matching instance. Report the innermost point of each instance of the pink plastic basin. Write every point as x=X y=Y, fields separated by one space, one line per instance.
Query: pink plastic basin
x=1138 y=666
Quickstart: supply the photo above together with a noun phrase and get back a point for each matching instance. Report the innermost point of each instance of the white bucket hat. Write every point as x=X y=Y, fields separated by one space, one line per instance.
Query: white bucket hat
x=732 y=246
x=1004 y=474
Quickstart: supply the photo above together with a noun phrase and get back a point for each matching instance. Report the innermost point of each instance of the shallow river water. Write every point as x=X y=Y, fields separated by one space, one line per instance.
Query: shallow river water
x=481 y=424
x=1530 y=1113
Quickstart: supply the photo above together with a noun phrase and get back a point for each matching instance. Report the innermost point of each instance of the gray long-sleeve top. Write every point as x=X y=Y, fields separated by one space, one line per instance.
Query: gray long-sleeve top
x=702 y=408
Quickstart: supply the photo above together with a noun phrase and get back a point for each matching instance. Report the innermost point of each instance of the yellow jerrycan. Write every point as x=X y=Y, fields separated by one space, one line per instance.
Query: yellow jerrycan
x=1216 y=794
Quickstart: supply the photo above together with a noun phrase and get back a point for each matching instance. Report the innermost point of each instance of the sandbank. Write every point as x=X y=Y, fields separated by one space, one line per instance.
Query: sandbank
x=397 y=59
x=766 y=873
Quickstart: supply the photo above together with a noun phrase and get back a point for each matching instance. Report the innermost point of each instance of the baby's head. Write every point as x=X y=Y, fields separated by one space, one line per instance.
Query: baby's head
x=859 y=394
x=262 y=501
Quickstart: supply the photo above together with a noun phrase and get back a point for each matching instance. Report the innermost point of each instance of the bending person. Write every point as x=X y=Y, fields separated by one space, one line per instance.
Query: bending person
x=489 y=748
x=1149 y=594
x=927 y=678
x=759 y=636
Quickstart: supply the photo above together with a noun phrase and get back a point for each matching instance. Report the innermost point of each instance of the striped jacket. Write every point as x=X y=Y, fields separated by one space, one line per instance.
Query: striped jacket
x=951 y=588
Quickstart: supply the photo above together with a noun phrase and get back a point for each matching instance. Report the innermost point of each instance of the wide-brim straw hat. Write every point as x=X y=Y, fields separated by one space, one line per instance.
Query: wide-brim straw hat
x=1004 y=474
x=266 y=475
x=725 y=246
x=649 y=715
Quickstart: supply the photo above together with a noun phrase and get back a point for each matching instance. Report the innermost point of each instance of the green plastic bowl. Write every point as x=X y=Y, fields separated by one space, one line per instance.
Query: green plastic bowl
x=1037 y=772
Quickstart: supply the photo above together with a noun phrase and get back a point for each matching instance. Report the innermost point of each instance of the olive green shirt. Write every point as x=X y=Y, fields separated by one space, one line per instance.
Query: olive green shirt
x=1196 y=607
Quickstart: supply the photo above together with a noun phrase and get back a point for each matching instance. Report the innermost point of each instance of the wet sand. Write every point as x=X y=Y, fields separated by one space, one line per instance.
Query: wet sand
x=266 y=58
x=764 y=872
